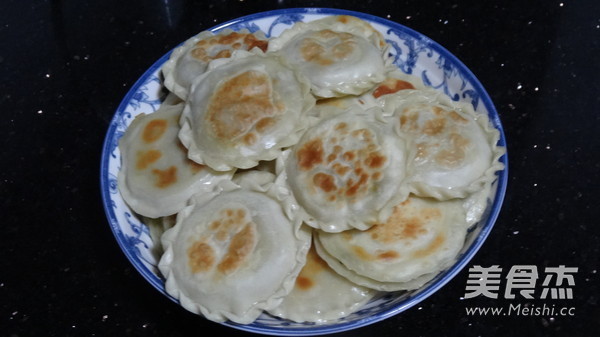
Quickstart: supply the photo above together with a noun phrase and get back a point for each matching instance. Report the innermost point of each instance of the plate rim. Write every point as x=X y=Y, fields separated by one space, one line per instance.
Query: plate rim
x=449 y=274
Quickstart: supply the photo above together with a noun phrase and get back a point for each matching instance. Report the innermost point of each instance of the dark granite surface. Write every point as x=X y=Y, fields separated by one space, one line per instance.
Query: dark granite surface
x=66 y=65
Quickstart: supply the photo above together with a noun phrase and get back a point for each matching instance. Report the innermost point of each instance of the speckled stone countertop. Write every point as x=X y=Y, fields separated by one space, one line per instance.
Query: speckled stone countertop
x=66 y=65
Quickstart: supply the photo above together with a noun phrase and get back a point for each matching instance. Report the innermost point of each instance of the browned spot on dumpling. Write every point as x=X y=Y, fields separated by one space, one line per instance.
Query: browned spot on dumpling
x=455 y=155
x=231 y=38
x=388 y=255
x=240 y=248
x=401 y=226
x=225 y=53
x=434 y=126
x=304 y=283
x=349 y=155
x=313 y=51
x=341 y=126
x=434 y=246
x=342 y=50
x=325 y=182
x=238 y=103
x=331 y=157
x=341 y=170
x=438 y=111
x=165 y=178
x=201 y=257
x=409 y=120
x=146 y=158
x=223 y=232
x=228 y=39
x=230 y=220
x=310 y=154
x=240 y=213
x=251 y=41
x=354 y=162
x=215 y=224
x=354 y=187
x=200 y=53
x=250 y=138
x=375 y=160
x=405 y=202
x=228 y=42
x=363 y=134
x=412 y=228
x=264 y=124
x=314 y=265
x=431 y=213
x=361 y=253
x=154 y=130
x=343 y=18
x=390 y=86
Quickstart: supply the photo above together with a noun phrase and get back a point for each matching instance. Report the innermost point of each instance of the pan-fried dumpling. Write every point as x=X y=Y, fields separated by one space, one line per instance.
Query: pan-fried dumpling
x=156 y=178
x=339 y=55
x=453 y=150
x=347 y=170
x=365 y=281
x=232 y=254
x=244 y=111
x=395 y=81
x=422 y=237
x=350 y=24
x=191 y=59
x=320 y=294
x=156 y=227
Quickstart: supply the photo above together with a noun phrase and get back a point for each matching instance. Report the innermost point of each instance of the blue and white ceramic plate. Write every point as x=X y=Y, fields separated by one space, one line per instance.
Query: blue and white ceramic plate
x=413 y=53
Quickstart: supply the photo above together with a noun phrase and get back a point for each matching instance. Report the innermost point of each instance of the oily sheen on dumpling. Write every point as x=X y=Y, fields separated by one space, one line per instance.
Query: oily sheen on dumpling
x=419 y=239
x=321 y=295
x=339 y=55
x=191 y=59
x=453 y=150
x=156 y=177
x=244 y=111
x=233 y=254
x=347 y=170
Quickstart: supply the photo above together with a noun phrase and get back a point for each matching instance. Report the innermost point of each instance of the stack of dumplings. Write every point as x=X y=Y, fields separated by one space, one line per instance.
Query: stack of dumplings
x=300 y=176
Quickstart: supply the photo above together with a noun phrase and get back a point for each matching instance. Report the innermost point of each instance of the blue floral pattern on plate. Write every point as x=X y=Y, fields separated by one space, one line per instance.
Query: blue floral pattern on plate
x=413 y=53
